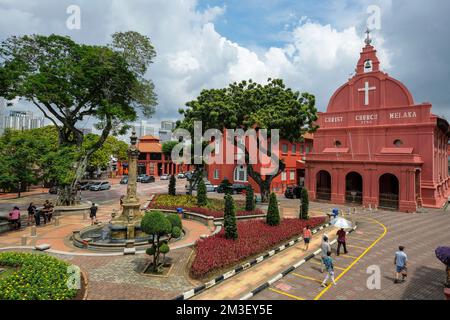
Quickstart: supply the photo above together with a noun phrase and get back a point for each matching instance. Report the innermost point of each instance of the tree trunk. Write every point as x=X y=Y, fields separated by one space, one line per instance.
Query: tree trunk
x=68 y=195
x=264 y=184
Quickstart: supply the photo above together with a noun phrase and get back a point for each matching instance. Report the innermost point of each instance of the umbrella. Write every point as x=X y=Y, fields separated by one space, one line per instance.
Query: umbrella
x=341 y=223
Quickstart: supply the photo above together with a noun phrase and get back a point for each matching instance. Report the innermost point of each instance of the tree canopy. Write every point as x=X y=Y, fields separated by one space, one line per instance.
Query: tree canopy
x=249 y=105
x=33 y=156
x=71 y=83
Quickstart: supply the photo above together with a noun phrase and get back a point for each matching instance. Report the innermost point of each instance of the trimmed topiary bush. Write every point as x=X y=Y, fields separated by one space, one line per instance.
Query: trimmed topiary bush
x=250 y=199
x=225 y=185
x=202 y=199
x=172 y=185
x=36 y=277
x=273 y=214
x=304 y=207
x=175 y=220
x=230 y=218
x=162 y=230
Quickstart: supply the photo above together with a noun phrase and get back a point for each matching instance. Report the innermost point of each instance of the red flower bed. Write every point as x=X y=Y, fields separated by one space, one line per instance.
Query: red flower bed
x=201 y=210
x=255 y=237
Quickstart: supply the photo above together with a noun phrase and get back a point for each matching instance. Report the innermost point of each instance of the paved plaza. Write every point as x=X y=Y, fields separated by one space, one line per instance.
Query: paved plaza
x=372 y=245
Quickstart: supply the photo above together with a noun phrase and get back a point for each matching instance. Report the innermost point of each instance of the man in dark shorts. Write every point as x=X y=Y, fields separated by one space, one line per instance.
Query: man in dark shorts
x=93 y=213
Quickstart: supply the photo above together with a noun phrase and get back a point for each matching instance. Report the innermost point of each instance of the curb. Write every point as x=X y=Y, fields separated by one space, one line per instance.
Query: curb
x=193 y=292
x=287 y=271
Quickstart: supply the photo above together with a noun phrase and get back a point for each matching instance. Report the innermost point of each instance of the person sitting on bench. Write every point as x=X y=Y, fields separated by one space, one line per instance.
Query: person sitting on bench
x=14 y=218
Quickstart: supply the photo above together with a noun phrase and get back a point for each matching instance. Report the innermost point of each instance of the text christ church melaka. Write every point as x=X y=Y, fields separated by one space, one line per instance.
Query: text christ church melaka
x=376 y=147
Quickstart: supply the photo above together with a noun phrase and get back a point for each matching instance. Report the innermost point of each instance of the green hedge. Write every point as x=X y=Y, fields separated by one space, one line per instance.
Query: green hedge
x=36 y=277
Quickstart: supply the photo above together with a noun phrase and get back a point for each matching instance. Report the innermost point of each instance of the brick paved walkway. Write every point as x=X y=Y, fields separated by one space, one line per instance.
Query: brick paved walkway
x=121 y=278
x=58 y=236
x=239 y=285
x=419 y=233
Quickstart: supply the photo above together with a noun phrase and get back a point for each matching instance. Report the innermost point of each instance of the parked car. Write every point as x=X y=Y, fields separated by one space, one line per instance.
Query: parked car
x=238 y=188
x=53 y=190
x=188 y=175
x=235 y=188
x=165 y=177
x=86 y=185
x=181 y=176
x=139 y=177
x=124 y=180
x=210 y=187
x=102 y=185
x=148 y=179
x=293 y=192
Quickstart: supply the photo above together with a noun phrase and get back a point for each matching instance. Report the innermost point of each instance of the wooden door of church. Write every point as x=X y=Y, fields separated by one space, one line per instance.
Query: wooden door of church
x=323 y=186
x=389 y=192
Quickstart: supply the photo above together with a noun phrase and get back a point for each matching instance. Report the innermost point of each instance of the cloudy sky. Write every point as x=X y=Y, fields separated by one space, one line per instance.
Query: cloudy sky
x=313 y=45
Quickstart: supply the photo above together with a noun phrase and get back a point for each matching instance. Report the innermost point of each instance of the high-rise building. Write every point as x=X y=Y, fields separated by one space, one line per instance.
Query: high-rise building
x=18 y=120
x=144 y=129
x=165 y=132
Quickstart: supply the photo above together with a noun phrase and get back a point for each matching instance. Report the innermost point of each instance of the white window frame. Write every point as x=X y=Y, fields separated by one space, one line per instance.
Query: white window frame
x=238 y=171
x=216 y=174
x=283 y=176
x=292 y=175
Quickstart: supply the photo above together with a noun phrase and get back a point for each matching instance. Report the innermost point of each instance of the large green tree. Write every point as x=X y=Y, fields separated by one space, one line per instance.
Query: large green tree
x=248 y=105
x=33 y=156
x=71 y=83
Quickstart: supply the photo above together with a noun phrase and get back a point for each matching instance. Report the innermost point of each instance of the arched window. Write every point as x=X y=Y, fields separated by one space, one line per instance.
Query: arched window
x=240 y=174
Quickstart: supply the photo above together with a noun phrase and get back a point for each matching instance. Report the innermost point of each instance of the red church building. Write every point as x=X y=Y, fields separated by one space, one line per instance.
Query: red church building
x=376 y=147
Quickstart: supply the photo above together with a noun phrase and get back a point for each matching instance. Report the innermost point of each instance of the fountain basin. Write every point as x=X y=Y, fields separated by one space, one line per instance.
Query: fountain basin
x=97 y=238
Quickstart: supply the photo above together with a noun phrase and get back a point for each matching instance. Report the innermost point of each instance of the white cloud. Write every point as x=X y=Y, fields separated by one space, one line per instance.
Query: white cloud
x=192 y=55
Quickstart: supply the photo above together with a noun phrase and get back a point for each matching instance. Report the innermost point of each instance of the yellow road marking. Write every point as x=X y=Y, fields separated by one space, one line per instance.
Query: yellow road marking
x=358 y=247
x=319 y=264
x=306 y=277
x=347 y=256
x=356 y=260
x=286 y=294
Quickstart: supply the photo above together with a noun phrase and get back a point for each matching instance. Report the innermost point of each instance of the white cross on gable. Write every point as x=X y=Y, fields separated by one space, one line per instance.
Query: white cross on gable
x=366 y=90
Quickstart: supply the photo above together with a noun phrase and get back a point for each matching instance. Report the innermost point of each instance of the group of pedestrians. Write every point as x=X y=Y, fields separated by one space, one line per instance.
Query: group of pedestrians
x=46 y=212
x=34 y=215
x=400 y=260
x=327 y=262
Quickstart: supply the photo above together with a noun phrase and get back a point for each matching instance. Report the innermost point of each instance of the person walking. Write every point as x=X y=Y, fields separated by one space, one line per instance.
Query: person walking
x=400 y=262
x=31 y=213
x=307 y=237
x=329 y=264
x=93 y=213
x=341 y=241
x=326 y=248
x=14 y=217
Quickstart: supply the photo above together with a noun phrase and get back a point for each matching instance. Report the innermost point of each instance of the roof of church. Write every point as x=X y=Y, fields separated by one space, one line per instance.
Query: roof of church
x=370 y=87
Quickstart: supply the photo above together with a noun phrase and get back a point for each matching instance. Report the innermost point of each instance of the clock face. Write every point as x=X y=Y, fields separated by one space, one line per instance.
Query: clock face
x=368 y=67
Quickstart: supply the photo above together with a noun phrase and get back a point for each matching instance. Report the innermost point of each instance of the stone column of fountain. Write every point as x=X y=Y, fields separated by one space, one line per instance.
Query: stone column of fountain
x=125 y=225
